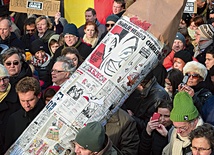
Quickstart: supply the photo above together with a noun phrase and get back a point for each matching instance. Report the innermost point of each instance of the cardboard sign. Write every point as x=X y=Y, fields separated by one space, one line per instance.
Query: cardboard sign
x=39 y=7
x=191 y=6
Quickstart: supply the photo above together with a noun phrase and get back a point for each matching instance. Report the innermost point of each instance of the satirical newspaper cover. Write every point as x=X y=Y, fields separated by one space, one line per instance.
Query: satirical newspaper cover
x=94 y=92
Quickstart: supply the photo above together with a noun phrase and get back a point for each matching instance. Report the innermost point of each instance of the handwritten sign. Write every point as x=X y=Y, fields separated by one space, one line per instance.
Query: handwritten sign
x=191 y=6
x=39 y=7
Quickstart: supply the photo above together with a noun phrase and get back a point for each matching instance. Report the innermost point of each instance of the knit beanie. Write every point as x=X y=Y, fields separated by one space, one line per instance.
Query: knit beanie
x=113 y=18
x=3 y=71
x=183 y=108
x=36 y=46
x=180 y=37
x=197 y=67
x=206 y=31
x=71 y=29
x=183 y=55
x=91 y=137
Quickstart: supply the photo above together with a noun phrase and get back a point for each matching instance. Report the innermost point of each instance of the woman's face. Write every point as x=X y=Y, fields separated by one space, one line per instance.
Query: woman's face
x=42 y=26
x=13 y=65
x=194 y=79
x=90 y=31
x=178 y=64
x=73 y=57
x=201 y=146
x=193 y=26
x=40 y=55
x=168 y=85
x=54 y=47
x=164 y=116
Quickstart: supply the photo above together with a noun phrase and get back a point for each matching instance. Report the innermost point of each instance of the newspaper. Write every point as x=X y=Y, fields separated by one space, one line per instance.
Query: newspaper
x=94 y=92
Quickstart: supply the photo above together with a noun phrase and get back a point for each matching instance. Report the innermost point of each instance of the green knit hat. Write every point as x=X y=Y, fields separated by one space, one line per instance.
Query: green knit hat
x=183 y=108
x=91 y=137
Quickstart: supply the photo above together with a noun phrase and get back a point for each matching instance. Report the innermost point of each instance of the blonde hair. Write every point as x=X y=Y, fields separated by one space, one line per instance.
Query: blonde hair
x=48 y=21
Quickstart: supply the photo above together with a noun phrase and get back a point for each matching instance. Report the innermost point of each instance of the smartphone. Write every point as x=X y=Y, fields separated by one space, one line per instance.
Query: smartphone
x=155 y=116
x=185 y=80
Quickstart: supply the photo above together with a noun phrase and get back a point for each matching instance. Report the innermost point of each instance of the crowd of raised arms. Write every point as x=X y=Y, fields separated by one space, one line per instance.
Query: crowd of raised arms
x=171 y=112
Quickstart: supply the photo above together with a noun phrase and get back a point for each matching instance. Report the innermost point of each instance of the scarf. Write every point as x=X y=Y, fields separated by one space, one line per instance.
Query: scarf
x=4 y=94
x=177 y=143
x=40 y=63
x=92 y=41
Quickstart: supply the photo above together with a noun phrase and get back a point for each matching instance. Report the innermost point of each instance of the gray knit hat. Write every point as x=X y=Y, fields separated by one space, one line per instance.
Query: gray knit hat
x=91 y=137
x=113 y=18
x=3 y=71
x=197 y=67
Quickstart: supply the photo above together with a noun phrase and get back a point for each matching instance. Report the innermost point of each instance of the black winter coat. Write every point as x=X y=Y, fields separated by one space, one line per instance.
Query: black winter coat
x=143 y=104
x=13 y=41
x=19 y=121
x=9 y=105
x=152 y=144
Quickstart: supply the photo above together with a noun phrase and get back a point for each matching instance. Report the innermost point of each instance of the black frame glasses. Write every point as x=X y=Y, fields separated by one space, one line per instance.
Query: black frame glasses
x=9 y=63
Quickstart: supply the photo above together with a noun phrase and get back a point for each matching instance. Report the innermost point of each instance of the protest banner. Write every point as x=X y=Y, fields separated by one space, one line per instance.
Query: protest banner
x=39 y=7
x=191 y=6
x=105 y=79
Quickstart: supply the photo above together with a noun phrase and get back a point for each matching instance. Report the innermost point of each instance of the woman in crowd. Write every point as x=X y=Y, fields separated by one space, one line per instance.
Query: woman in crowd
x=91 y=34
x=53 y=44
x=196 y=86
x=40 y=60
x=15 y=64
x=202 y=139
x=49 y=93
x=173 y=79
x=73 y=54
x=154 y=138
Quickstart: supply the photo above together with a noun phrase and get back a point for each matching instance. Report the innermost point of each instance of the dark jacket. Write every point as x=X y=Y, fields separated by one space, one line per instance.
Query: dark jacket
x=201 y=95
x=152 y=144
x=143 y=104
x=25 y=71
x=121 y=129
x=9 y=105
x=27 y=40
x=19 y=121
x=12 y=41
x=84 y=51
x=109 y=149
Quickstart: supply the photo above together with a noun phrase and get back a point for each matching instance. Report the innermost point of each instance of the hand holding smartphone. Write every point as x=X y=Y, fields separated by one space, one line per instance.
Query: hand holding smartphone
x=155 y=116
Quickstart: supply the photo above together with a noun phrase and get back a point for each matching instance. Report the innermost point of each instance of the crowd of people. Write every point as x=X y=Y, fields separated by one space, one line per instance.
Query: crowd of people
x=171 y=112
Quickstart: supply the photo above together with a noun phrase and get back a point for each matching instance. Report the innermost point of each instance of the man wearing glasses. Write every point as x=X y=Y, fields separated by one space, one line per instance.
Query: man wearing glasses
x=185 y=118
x=62 y=70
x=9 y=102
x=30 y=29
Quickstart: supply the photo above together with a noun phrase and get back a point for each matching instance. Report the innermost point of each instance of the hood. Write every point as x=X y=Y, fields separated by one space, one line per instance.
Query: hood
x=53 y=37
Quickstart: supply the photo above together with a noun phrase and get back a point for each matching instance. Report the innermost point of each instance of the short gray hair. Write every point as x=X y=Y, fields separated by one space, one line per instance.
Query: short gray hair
x=67 y=64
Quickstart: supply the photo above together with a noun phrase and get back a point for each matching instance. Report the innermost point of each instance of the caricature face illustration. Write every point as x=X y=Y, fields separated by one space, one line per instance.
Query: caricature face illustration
x=117 y=52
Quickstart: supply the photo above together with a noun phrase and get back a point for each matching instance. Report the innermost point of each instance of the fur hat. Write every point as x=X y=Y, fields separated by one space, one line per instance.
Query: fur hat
x=206 y=31
x=197 y=67
x=36 y=46
x=91 y=137
x=3 y=71
x=183 y=55
x=183 y=108
x=71 y=29
x=180 y=37
x=113 y=18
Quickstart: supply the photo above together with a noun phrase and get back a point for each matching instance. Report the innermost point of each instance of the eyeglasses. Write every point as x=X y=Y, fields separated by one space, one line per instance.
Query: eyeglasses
x=194 y=76
x=184 y=128
x=56 y=71
x=199 y=149
x=15 y=63
x=107 y=25
x=4 y=79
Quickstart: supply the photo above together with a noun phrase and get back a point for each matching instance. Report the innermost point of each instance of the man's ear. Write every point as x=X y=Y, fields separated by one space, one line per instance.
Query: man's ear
x=40 y=94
